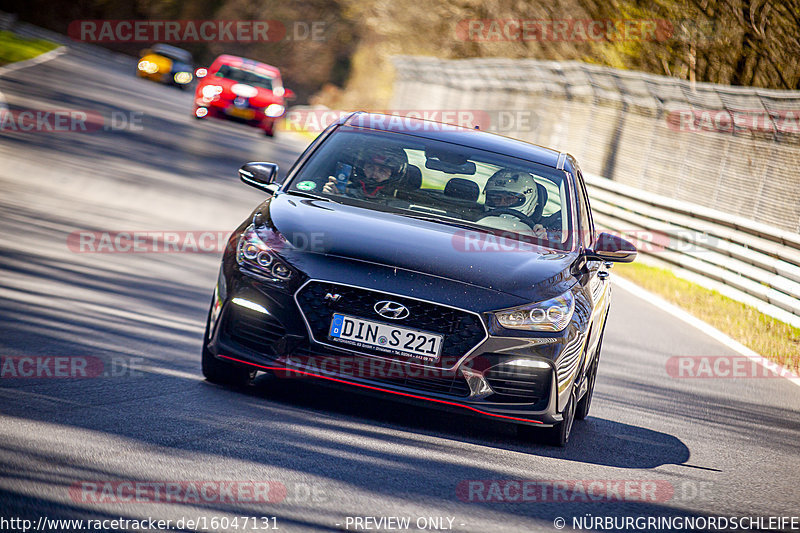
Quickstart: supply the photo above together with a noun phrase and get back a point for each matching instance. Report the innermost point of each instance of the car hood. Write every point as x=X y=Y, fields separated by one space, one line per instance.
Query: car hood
x=301 y=225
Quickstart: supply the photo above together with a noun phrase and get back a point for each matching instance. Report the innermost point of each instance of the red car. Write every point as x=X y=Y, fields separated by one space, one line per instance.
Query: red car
x=242 y=90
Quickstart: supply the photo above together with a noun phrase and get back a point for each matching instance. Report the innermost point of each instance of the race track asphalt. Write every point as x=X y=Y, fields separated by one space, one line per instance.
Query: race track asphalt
x=713 y=446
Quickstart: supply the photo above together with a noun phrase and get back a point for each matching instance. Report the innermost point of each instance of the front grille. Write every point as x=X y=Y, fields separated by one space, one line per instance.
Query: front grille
x=521 y=383
x=462 y=330
x=383 y=373
x=253 y=329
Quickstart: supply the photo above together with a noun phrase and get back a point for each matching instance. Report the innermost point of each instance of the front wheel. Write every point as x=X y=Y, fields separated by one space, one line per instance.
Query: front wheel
x=558 y=435
x=223 y=372
x=582 y=409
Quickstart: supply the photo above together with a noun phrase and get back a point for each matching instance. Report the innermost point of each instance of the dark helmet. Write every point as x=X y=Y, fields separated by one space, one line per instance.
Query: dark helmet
x=392 y=157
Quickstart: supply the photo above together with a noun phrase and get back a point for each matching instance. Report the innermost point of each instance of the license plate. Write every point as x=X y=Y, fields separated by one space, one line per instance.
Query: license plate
x=386 y=338
x=241 y=113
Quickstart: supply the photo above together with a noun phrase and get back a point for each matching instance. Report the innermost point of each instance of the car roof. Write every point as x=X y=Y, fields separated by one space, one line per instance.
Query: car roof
x=173 y=52
x=472 y=138
x=247 y=64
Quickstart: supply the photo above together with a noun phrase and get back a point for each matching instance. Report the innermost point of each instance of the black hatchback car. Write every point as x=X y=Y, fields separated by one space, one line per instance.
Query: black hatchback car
x=422 y=262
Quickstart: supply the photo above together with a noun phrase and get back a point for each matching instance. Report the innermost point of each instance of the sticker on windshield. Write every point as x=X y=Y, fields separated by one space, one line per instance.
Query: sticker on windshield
x=306 y=185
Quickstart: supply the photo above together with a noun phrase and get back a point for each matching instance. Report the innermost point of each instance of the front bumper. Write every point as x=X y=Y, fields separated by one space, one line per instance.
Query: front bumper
x=279 y=338
x=226 y=110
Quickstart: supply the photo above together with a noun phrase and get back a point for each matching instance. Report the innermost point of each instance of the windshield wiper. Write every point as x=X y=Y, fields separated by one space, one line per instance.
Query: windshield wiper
x=309 y=195
x=445 y=220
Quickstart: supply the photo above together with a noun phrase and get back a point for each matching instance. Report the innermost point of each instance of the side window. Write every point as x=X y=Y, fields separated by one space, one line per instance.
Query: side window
x=310 y=148
x=585 y=213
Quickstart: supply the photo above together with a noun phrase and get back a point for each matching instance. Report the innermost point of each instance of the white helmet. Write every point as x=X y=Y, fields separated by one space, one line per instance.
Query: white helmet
x=512 y=189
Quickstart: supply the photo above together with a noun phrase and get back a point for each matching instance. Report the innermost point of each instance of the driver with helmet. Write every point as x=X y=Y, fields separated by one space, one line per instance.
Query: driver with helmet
x=511 y=199
x=377 y=172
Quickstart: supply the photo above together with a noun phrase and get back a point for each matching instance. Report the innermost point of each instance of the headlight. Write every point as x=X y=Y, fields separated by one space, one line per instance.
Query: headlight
x=274 y=110
x=255 y=254
x=550 y=315
x=211 y=91
x=147 y=66
x=182 y=77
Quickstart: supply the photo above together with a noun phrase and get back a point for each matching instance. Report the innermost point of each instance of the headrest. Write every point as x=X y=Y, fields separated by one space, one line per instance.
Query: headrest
x=462 y=189
x=413 y=179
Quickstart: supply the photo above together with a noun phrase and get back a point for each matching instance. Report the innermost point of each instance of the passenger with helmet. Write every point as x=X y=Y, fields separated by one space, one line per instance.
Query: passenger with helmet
x=377 y=173
x=511 y=203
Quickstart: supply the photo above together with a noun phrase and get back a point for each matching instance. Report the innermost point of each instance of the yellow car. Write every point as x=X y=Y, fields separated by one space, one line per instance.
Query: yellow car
x=166 y=64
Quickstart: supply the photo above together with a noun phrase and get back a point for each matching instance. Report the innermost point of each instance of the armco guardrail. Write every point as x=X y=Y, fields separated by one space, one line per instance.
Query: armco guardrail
x=722 y=206
x=7 y=21
x=736 y=149
x=750 y=262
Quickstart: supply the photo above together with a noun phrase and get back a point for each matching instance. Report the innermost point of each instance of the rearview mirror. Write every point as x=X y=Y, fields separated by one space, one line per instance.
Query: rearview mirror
x=449 y=162
x=260 y=175
x=612 y=248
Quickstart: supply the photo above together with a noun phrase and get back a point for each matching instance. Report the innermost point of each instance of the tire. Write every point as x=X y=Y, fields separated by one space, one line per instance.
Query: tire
x=582 y=409
x=558 y=435
x=269 y=133
x=222 y=372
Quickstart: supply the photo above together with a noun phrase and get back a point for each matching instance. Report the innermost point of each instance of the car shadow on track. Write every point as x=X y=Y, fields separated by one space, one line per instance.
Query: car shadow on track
x=594 y=441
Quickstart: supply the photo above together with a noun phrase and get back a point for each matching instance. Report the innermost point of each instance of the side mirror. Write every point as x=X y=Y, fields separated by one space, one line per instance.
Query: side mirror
x=260 y=175
x=288 y=94
x=201 y=73
x=612 y=248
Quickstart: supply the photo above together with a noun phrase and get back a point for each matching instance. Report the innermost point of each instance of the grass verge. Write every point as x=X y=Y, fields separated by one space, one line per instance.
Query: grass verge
x=14 y=48
x=761 y=333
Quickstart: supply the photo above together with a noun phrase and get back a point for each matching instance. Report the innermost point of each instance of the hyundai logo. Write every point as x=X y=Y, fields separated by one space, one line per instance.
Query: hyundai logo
x=391 y=310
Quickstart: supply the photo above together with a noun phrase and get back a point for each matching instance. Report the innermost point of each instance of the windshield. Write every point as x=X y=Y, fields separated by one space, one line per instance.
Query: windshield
x=245 y=76
x=442 y=181
x=176 y=54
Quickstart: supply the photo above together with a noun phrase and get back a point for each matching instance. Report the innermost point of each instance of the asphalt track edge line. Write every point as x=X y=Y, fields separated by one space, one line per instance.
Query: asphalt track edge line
x=677 y=312
x=41 y=58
